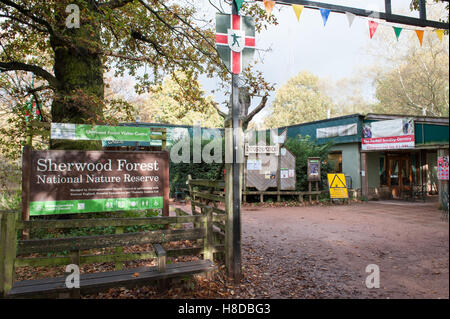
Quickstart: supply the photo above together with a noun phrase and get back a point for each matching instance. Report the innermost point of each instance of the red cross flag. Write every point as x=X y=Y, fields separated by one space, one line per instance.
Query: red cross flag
x=235 y=40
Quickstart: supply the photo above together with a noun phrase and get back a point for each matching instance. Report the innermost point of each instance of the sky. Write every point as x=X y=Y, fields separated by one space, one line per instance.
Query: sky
x=332 y=52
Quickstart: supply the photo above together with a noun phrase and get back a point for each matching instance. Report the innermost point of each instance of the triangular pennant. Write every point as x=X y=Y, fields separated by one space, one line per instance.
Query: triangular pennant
x=298 y=10
x=269 y=7
x=420 y=36
x=439 y=33
x=372 y=28
x=239 y=4
x=397 y=31
x=325 y=13
x=350 y=18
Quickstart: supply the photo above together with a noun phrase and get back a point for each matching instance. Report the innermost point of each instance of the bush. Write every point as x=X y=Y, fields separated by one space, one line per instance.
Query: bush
x=179 y=171
x=302 y=148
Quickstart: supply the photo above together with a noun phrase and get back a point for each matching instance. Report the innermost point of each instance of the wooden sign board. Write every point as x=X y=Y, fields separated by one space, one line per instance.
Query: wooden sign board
x=67 y=182
x=262 y=149
x=261 y=175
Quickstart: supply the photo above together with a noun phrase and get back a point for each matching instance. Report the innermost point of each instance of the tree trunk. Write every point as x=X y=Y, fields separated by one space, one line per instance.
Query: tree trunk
x=78 y=67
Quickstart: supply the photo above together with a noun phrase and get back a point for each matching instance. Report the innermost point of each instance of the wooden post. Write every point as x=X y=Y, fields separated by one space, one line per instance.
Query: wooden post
x=317 y=189
x=2 y=251
x=208 y=241
x=309 y=190
x=279 y=176
x=162 y=261
x=233 y=181
x=164 y=139
x=26 y=172
x=191 y=193
x=166 y=188
x=209 y=236
x=74 y=292
x=119 y=265
x=8 y=251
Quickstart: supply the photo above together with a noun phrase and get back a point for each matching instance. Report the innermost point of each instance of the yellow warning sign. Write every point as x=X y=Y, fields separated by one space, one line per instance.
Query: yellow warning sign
x=337 y=186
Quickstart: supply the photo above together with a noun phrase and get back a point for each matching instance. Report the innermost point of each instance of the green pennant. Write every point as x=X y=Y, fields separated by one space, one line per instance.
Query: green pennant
x=239 y=4
x=397 y=31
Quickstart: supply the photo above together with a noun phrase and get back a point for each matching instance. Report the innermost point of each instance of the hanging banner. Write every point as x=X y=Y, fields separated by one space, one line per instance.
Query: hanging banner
x=388 y=135
x=443 y=168
x=350 y=18
x=298 y=10
x=235 y=40
x=397 y=31
x=325 y=13
x=66 y=182
x=269 y=5
x=372 y=28
x=420 y=36
x=439 y=33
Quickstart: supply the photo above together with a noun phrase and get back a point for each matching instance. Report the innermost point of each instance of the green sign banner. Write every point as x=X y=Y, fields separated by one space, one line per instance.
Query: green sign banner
x=94 y=205
x=69 y=131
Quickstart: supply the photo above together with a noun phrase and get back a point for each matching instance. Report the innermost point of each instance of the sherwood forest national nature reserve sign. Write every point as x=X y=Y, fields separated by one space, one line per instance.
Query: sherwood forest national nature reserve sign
x=63 y=182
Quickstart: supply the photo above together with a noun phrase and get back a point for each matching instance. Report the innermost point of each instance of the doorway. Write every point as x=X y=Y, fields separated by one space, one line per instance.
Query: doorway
x=399 y=176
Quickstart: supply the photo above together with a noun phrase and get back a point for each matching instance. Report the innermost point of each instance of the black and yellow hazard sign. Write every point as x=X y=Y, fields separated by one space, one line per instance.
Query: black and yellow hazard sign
x=337 y=186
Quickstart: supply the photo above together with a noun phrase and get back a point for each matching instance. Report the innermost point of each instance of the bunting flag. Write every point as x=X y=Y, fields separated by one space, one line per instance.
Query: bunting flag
x=350 y=18
x=420 y=36
x=439 y=33
x=397 y=31
x=269 y=7
x=235 y=40
x=372 y=27
x=298 y=10
x=239 y=4
x=325 y=13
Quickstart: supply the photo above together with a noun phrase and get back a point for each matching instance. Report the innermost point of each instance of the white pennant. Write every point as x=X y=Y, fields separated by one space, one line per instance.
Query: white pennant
x=350 y=17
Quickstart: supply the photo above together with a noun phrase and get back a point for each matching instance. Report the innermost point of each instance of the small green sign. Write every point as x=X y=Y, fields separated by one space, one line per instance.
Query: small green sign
x=94 y=205
x=99 y=132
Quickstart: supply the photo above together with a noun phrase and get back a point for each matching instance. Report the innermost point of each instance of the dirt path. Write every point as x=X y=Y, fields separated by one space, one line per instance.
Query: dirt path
x=322 y=252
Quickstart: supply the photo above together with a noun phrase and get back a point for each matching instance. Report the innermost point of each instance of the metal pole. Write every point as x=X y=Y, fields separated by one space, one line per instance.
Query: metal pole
x=236 y=173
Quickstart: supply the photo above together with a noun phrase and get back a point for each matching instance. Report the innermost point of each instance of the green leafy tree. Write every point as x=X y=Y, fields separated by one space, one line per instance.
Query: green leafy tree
x=171 y=103
x=410 y=78
x=300 y=100
x=146 y=39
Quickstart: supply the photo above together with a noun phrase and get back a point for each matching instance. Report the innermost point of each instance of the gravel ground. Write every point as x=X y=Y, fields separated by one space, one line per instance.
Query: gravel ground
x=323 y=251
x=318 y=252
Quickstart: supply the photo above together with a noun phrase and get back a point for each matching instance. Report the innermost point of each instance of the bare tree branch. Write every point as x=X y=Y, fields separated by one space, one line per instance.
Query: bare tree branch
x=257 y=109
x=113 y=4
x=19 y=66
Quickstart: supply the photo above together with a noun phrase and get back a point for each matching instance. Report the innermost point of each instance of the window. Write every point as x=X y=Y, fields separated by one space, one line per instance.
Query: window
x=335 y=160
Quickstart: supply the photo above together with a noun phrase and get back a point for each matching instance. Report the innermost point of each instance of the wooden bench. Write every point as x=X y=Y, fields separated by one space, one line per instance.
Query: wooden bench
x=17 y=253
x=92 y=283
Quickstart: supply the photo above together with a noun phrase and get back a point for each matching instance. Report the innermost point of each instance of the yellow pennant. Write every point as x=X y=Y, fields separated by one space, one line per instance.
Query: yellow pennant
x=269 y=7
x=439 y=33
x=420 y=36
x=298 y=10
